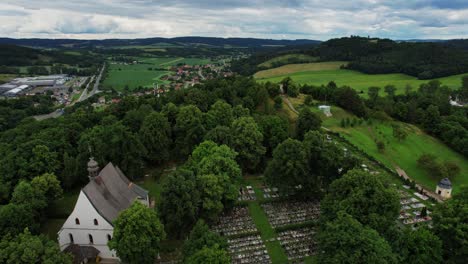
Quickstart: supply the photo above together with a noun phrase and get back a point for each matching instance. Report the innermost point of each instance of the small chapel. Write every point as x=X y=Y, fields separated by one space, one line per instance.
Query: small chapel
x=89 y=227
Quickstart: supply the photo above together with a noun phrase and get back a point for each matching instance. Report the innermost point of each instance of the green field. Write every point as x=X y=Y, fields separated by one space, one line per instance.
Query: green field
x=285 y=58
x=6 y=77
x=403 y=154
x=135 y=75
x=357 y=80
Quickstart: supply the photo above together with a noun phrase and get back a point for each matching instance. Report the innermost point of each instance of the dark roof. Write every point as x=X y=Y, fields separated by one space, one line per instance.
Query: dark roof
x=445 y=183
x=81 y=253
x=111 y=192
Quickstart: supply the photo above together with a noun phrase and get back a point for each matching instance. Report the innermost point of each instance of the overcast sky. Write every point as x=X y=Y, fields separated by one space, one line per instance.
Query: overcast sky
x=280 y=19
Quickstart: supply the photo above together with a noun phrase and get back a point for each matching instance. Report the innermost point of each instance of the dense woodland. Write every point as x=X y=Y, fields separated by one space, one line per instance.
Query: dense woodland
x=424 y=60
x=218 y=131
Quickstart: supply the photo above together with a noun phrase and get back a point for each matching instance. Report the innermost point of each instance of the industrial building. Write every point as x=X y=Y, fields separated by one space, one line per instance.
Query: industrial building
x=20 y=86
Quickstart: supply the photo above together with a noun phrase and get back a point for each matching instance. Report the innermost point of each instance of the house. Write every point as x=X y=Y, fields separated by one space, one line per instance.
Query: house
x=89 y=227
x=444 y=188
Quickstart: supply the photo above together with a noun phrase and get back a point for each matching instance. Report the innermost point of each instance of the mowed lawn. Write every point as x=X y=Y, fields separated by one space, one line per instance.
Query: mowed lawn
x=403 y=154
x=306 y=74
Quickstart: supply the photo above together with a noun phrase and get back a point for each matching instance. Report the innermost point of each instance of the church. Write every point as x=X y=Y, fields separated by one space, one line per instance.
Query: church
x=89 y=227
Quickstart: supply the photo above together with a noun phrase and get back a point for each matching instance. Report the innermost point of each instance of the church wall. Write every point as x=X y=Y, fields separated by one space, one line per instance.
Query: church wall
x=86 y=214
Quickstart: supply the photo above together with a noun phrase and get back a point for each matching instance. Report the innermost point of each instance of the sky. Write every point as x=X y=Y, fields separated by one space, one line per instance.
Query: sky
x=280 y=19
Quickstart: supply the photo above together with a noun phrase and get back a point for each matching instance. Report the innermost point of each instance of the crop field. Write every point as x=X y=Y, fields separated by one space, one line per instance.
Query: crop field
x=306 y=74
x=286 y=58
x=163 y=62
x=397 y=153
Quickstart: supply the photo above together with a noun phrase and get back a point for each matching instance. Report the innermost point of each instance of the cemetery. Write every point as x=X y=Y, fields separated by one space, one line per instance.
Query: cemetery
x=413 y=210
x=298 y=243
x=248 y=249
x=291 y=212
x=235 y=222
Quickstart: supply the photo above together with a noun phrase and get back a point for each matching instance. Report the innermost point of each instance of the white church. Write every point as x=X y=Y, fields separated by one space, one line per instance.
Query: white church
x=89 y=227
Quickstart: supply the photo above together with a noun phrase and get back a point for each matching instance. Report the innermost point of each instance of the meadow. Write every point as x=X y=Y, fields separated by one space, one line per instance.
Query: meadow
x=286 y=58
x=397 y=153
x=324 y=72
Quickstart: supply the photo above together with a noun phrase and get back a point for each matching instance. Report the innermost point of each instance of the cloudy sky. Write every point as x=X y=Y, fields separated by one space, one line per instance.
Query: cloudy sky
x=293 y=19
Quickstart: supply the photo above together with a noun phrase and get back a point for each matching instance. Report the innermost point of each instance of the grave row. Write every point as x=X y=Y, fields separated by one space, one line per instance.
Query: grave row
x=298 y=243
x=288 y=213
x=235 y=222
x=248 y=249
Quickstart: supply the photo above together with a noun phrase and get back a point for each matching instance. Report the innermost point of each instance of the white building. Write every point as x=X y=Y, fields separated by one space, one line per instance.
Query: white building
x=444 y=188
x=89 y=227
x=325 y=109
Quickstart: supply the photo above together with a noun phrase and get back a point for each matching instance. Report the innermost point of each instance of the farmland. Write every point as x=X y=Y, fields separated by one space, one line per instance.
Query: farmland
x=146 y=72
x=397 y=153
x=322 y=73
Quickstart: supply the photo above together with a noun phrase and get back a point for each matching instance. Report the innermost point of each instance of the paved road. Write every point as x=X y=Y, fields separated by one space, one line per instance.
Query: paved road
x=86 y=93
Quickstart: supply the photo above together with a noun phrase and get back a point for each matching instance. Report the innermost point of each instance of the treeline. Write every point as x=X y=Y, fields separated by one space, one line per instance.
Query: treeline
x=13 y=111
x=424 y=60
x=12 y=56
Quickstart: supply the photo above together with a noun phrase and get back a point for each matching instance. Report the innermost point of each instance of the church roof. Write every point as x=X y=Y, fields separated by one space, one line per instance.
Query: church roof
x=111 y=192
x=445 y=183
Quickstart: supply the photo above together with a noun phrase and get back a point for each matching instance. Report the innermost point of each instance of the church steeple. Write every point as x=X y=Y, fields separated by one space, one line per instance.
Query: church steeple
x=93 y=168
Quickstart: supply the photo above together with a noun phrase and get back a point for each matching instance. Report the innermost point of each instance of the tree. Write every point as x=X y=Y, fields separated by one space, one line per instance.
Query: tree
x=247 y=142
x=220 y=114
x=14 y=218
x=278 y=102
x=180 y=202
x=288 y=168
x=274 y=130
x=201 y=236
x=49 y=185
x=137 y=234
x=308 y=100
x=431 y=118
x=43 y=160
x=212 y=255
x=373 y=94
x=450 y=225
x=28 y=249
x=365 y=197
x=398 y=132
x=70 y=172
x=380 y=146
x=390 y=90
x=189 y=129
x=155 y=135
x=26 y=194
x=307 y=121
x=345 y=240
x=221 y=135
x=419 y=246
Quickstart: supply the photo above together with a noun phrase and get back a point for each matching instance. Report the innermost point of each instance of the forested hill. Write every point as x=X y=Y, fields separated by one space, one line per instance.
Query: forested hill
x=11 y=55
x=424 y=60
x=179 y=41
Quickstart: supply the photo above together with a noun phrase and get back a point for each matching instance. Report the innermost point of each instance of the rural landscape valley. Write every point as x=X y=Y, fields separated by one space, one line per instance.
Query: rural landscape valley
x=156 y=132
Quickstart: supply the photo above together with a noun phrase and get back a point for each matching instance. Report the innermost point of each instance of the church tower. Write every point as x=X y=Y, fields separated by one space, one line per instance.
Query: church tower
x=93 y=168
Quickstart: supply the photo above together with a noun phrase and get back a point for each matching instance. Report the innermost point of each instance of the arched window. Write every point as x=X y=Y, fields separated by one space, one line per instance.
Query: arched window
x=71 y=238
x=95 y=221
x=91 y=240
x=109 y=237
x=77 y=221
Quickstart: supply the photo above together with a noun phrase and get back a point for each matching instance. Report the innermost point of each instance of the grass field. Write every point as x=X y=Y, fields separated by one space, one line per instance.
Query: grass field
x=318 y=74
x=403 y=154
x=286 y=58
x=292 y=69
x=132 y=76
x=6 y=77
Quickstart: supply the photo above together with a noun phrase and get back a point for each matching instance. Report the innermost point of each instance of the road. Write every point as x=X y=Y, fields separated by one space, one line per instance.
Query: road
x=85 y=95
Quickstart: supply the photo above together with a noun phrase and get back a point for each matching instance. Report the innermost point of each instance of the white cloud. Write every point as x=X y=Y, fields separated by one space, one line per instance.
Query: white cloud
x=313 y=19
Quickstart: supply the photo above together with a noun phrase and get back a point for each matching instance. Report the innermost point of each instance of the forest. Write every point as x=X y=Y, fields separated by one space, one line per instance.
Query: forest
x=219 y=131
x=424 y=60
